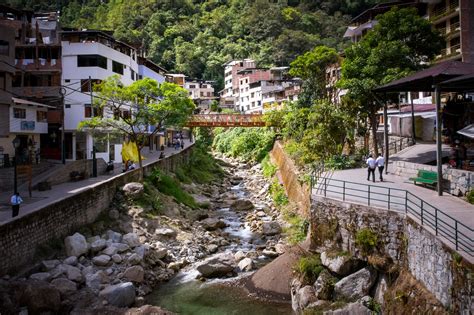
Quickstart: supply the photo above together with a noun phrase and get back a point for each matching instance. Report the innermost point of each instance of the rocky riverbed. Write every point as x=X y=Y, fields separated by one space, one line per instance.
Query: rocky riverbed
x=115 y=263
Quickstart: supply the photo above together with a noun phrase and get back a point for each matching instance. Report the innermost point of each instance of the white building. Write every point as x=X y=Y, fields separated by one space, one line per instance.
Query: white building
x=201 y=92
x=96 y=55
x=230 y=94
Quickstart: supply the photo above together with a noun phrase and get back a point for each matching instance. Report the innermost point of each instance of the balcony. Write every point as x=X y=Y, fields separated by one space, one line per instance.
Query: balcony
x=449 y=52
x=37 y=91
x=38 y=64
x=446 y=11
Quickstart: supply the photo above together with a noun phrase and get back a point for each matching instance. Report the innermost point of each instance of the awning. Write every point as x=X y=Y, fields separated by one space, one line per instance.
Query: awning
x=421 y=114
x=30 y=103
x=467 y=131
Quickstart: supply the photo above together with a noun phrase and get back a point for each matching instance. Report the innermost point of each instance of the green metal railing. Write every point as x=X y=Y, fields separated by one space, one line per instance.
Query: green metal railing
x=442 y=224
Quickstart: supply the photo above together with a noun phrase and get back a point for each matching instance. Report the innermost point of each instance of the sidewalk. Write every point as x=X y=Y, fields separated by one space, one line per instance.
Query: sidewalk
x=41 y=199
x=453 y=206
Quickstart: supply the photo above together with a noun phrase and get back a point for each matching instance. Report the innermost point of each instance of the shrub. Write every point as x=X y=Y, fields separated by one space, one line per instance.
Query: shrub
x=249 y=144
x=169 y=186
x=278 y=194
x=268 y=169
x=309 y=268
x=367 y=240
x=340 y=162
x=470 y=197
x=298 y=227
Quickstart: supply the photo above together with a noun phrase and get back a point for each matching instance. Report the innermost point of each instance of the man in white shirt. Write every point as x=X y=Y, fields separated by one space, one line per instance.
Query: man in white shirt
x=380 y=164
x=371 y=167
x=16 y=201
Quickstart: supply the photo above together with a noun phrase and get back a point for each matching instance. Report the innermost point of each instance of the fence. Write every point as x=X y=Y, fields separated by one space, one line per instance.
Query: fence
x=443 y=225
x=397 y=145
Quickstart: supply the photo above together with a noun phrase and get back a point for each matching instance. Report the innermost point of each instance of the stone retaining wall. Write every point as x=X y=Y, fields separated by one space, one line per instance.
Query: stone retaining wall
x=334 y=224
x=297 y=191
x=457 y=182
x=20 y=238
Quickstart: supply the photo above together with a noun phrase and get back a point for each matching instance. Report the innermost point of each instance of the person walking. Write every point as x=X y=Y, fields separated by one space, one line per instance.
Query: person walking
x=380 y=161
x=16 y=201
x=371 y=167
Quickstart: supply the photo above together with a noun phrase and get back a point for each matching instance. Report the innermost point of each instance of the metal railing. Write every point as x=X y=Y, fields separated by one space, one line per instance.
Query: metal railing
x=397 y=145
x=441 y=223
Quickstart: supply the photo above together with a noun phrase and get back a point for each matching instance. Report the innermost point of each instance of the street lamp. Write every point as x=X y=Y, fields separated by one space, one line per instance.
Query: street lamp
x=16 y=144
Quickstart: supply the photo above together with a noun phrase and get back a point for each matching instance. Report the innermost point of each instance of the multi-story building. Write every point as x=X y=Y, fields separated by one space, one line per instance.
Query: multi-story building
x=149 y=69
x=201 y=92
x=229 y=94
x=279 y=92
x=455 y=20
x=176 y=78
x=89 y=57
x=33 y=79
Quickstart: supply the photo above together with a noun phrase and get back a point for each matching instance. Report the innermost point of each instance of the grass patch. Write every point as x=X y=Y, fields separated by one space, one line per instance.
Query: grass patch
x=470 y=197
x=201 y=168
x=268 y=168
x=298 y=228
x=366 y=240
x=171 y=187
x=150 y=201
x=278 y=194
x=309 y=268
x=319 y=310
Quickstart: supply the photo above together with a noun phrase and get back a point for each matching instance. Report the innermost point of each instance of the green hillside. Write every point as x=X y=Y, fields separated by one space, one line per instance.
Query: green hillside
x=197 y=37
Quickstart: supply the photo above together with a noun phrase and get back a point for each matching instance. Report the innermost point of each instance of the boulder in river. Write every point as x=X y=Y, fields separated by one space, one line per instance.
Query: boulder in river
x=217 y=266
x=134 y=273
x=121 y=295
x=40 y=297
x=242 y=205
x=246 y=264
x=211 y=224
x=76 y=245
x=166 y=233
x=271 y=228
x=350 y=309
x=64 y=286
x=101 y=260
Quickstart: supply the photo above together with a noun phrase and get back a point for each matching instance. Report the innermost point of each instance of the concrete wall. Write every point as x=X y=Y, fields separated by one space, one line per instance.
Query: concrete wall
x=297 y=191
x=334 y=224
x=457 y=182
x=20 y=238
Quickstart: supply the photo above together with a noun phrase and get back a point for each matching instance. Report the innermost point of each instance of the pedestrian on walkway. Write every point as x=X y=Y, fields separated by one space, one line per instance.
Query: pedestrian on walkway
x=380 y=161
x=177 y=144
x=371 y=167
x=182 y=144
x=16 y=201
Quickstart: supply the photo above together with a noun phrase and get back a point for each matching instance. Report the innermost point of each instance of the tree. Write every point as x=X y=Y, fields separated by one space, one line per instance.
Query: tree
x=400 y=43
x=311 y=67
x=132 y=109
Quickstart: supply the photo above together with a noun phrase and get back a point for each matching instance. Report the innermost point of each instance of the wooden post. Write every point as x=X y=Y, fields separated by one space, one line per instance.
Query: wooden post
x=385 y=134
x=438 y=141
x=412 y=119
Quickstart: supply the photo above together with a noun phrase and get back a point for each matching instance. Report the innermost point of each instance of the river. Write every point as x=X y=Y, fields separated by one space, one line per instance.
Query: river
x=184 y=294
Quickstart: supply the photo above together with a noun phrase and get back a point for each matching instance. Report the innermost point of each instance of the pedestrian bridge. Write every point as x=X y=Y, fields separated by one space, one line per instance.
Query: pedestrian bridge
x=226 y=120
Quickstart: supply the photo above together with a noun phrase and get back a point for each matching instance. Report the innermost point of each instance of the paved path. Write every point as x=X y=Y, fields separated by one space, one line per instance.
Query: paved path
x=41 y=199
x=357 y=193
x=420 y=153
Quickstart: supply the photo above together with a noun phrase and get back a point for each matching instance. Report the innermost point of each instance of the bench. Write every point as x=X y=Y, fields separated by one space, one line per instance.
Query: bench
x=426 y=177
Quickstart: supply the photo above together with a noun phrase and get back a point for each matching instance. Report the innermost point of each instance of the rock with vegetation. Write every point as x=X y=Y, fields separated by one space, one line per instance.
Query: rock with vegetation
x=342 y=263
x=350 y=309
x=355 y=285
x=324 y=285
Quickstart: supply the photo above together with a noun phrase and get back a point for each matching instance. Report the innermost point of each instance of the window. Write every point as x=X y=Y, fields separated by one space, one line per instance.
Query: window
x=202 y=94
x=192 y=86
x=87 y=110
x=19 y=113
x=85 y=84
x=3 y=81
x=67 y=105
x=4 y=48
x=67 y=80
x=117 y=67
x=126 y=114
x=92 y=61
x=252 y=94
x=41 y=116
x=132 y=74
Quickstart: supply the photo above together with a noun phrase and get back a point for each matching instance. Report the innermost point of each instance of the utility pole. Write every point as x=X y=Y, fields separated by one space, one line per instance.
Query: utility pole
x=94 y=159
x=62 y=92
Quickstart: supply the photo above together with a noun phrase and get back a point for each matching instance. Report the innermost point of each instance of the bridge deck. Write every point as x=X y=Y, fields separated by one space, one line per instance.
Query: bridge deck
x=226 y=120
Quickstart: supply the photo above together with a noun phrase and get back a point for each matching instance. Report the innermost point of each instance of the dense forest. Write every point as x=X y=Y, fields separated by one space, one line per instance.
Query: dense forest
x=197 y=37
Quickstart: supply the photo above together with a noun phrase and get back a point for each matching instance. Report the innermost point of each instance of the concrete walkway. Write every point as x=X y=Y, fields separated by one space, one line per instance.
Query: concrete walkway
x=41 y=199
x=455 y=207
x=420 y=153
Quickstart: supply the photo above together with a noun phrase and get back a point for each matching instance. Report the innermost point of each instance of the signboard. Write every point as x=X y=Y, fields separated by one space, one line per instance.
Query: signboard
x=27 y=125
